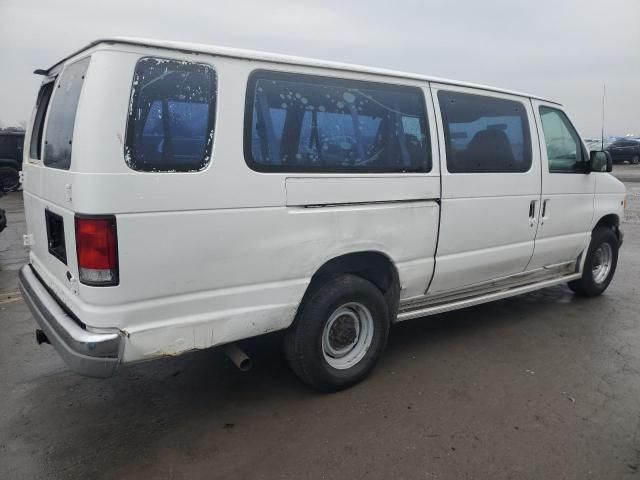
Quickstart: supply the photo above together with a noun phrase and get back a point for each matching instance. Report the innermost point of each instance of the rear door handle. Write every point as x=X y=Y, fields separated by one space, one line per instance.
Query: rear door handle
x=544 y=212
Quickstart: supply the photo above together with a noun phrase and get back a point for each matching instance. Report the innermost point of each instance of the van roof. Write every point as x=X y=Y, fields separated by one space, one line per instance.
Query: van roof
x=282 y=59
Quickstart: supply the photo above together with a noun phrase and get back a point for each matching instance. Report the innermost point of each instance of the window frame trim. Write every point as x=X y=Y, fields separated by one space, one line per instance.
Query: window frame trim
x=269 y=74
x=34 y=128
x=213 y=115
x=585 y=155
x=527 y=132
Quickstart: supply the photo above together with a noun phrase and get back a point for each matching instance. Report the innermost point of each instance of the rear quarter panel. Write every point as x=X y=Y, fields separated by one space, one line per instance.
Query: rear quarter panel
x=227 y=253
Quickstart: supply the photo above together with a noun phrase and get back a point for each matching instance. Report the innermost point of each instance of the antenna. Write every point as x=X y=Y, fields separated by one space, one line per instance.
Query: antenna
x=604 y=92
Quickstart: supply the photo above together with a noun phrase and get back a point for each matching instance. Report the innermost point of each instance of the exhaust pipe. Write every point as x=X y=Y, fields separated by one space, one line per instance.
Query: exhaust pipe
x=238 y=357
x=41 y=337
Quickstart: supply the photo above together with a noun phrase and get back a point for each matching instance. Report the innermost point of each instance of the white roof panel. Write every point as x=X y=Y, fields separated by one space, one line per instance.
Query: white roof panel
x=284 y=59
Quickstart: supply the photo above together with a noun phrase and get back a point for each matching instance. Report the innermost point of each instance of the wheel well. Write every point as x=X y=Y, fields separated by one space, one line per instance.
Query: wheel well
x=611 y=221
x=375 y=267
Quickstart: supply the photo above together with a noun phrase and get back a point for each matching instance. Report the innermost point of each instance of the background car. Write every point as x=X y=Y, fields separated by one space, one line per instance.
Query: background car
x=625 y=150
x=11 y=146
x=595 y=143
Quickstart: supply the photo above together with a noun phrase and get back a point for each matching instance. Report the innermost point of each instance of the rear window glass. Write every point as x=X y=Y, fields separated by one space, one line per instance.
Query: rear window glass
x=484 y=134
x=171 y=116
x=35 y=148
x=62 y=115
x=302 y=123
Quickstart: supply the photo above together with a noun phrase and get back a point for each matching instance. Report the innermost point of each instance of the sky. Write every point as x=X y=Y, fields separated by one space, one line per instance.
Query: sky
x=565 y=50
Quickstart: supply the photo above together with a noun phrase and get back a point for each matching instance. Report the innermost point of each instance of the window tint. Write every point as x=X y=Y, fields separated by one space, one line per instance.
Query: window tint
x=62 y=117
x=301 y=123
x=564 y=148
x=484 y=134
x=35 y=148
x=171 y=118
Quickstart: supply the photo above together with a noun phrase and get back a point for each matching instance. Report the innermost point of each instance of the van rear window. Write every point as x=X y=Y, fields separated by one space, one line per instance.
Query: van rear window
x=62 y=115
x=171 y=116
x=303 y=123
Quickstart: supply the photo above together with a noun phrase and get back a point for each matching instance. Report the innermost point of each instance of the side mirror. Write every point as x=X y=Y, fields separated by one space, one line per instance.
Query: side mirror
x=600 y=161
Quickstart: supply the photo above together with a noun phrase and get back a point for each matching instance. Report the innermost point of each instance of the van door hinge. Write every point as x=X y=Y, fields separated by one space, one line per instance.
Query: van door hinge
x=68 y=193
x=21 y=177
x=27 y=240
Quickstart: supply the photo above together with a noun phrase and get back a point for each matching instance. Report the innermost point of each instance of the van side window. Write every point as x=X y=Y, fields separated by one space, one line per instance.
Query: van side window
x=303 y=123
x=564 y=147
x=62 y=115
x=35 y=147
x=171 y=116
x=484 y=134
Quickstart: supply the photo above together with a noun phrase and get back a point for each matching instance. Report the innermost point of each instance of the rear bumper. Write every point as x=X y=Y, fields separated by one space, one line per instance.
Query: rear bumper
x=87 y=353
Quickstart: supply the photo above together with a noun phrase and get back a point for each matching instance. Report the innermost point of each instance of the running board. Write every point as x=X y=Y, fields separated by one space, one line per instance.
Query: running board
x=423 y=311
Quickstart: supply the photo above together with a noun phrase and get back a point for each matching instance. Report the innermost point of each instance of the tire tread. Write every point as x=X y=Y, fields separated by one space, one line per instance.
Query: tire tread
x=585 y=286
x=301 y=339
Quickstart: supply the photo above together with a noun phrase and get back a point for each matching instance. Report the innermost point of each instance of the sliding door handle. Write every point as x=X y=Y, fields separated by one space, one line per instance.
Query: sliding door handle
x=532 y=212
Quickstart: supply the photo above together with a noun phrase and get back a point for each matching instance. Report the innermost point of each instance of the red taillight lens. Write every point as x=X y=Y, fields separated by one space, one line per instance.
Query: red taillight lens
x=97 y=249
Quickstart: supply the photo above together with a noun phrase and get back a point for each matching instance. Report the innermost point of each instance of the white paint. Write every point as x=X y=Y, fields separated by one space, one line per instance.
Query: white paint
x=485 y=230
x=226 y=253
x=565 y=229
x=273 y=58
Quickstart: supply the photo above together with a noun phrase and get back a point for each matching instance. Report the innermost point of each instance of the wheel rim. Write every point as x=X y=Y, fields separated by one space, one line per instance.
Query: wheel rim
x=601 y=264
x=347 y=335
x=635 y=160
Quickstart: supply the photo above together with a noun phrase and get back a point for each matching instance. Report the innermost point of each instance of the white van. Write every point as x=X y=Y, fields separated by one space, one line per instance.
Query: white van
x=181 y=196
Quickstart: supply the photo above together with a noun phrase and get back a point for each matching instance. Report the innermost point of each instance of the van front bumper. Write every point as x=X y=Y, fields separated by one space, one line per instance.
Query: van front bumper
x=87 y=353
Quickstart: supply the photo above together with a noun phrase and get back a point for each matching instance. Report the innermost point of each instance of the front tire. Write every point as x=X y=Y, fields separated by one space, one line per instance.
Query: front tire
x=600 y=264
x=339 y=333
x=635 y=160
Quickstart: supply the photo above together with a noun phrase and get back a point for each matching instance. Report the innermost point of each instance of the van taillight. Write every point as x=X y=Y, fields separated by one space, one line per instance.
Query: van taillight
x=97 y=249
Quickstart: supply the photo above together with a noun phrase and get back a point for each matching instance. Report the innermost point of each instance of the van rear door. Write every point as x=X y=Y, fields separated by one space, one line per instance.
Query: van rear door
x=48 y=179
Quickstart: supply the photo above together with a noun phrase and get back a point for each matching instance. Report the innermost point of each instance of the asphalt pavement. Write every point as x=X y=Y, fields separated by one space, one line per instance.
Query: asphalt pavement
x=541 y=386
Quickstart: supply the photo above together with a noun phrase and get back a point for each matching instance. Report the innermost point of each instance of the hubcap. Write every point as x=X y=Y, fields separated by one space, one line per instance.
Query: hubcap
x=347 y=335
x=601 y=264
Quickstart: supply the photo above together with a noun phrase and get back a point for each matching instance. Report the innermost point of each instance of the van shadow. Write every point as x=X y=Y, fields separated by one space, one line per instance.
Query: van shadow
x=486 y=317
x=86 y=427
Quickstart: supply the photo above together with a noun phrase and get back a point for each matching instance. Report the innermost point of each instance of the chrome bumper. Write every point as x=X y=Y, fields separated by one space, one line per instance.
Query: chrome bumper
x=87 y=353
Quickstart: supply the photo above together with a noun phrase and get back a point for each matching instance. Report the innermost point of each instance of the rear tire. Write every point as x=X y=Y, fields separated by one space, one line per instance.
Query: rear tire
x=599 y=265
x=635 y=160
x=339 y=333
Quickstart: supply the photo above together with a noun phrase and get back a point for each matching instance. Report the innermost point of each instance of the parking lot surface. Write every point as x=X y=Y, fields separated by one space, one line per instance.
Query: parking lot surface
x=540 y=386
